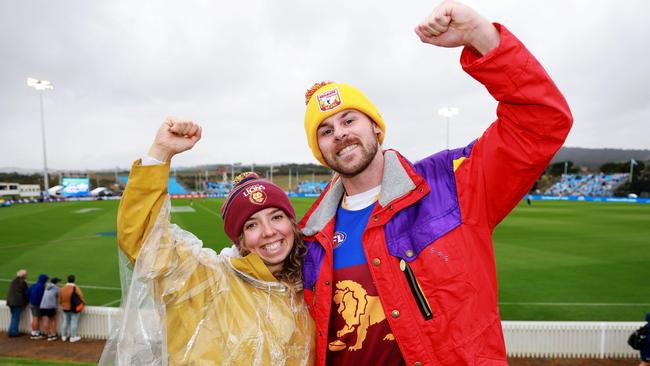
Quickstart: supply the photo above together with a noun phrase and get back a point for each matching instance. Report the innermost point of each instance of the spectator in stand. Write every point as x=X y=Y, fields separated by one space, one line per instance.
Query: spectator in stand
x=35 y=294
x=17 y=300
x=48 y=307
x=70 y=318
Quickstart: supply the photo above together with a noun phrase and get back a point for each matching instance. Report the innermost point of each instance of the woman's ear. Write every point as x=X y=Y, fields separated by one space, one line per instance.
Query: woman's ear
x=242 y=247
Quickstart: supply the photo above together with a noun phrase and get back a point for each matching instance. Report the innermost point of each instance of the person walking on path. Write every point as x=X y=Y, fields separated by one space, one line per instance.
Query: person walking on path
x=35 y=294
x=70 y=316
x=400 y=265
x=49 y=307
x=17 y=300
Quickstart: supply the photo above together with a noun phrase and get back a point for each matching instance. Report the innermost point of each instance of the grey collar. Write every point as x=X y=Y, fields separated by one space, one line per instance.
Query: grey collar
x=394 y=184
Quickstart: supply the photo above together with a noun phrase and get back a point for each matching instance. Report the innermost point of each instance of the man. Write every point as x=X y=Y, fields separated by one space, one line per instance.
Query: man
x=17 y=300
x=400 y=266
x=35 y=295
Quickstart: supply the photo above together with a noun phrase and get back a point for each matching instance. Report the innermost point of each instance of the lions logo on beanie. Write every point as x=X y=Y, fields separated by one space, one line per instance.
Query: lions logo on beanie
x=249 y=195
x=256 y=194
x=325 y=99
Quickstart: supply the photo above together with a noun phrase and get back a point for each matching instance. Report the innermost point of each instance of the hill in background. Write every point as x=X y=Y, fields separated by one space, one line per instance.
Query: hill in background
x=594 y=158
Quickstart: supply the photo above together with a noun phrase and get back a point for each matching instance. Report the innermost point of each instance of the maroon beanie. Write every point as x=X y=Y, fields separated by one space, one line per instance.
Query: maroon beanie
x=251 y=194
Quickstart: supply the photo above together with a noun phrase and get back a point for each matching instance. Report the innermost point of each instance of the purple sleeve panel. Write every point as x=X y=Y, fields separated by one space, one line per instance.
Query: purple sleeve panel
x=417 y=226
x=311 y=263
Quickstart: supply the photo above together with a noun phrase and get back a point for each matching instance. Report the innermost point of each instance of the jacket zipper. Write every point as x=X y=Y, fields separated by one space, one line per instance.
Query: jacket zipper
x=420 y=299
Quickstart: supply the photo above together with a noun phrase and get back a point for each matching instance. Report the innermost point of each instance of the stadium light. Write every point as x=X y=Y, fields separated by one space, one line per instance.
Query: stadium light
x=39 y=84
x=42 y=85
x=448 y=112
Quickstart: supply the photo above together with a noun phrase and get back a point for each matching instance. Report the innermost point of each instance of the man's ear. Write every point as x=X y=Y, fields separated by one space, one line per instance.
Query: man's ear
x=376 y=129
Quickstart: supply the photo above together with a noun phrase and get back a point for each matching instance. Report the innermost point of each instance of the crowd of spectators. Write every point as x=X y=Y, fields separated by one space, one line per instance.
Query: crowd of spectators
x=308 y=187
x=45 y=299
x=590 y=185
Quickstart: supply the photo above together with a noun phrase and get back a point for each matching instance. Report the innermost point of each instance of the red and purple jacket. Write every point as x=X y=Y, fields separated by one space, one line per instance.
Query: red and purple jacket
x=428 y=242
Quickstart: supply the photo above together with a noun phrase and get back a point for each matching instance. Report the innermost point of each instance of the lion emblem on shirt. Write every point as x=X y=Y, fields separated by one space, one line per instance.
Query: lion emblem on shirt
x=359 y=311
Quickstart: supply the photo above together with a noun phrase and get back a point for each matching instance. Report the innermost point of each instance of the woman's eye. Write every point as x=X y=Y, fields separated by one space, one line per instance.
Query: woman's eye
x=249 y=226
x=278 y=217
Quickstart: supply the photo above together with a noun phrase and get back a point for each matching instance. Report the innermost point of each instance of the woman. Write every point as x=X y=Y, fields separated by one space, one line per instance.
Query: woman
x=188 y=305
x=48 y=306
x=70 y=315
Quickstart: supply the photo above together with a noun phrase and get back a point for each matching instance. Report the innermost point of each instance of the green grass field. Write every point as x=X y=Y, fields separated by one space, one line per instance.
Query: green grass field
x=14 y=361
x=555 y=260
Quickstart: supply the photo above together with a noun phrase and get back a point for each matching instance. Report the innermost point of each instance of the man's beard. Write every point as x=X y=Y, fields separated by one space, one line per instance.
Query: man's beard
x=367 y=154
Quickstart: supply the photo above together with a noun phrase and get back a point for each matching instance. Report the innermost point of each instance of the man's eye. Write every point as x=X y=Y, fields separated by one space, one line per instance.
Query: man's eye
x=325 y=131
x=348 y=121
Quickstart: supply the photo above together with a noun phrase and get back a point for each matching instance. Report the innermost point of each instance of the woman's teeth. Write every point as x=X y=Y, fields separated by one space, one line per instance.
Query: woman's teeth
x=272 y=246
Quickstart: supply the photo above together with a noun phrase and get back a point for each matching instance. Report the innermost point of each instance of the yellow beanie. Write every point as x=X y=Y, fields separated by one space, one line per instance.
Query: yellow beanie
x=326 y=99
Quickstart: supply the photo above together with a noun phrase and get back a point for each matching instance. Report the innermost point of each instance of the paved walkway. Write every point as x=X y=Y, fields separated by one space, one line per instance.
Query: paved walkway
x=86 y=350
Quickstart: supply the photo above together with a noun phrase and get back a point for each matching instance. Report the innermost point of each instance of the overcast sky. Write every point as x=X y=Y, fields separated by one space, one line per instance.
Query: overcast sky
x=240 y=68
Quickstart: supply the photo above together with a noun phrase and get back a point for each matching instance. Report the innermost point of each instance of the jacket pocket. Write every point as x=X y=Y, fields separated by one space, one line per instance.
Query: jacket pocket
x=416 y=290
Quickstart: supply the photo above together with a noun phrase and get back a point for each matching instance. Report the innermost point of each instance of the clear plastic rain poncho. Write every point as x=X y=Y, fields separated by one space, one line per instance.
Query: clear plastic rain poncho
x=185 y=305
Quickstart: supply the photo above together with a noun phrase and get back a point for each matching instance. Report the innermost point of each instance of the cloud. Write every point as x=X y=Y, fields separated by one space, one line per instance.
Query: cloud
x=119 y=68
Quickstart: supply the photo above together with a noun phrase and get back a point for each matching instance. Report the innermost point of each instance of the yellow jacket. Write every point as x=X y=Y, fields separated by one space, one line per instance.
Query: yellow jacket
x=186 y=305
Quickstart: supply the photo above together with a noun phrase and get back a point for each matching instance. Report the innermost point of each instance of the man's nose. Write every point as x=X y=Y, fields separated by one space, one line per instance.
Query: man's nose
x=340 y=133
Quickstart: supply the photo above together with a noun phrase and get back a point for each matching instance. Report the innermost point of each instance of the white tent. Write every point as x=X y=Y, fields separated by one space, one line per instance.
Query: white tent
x=55 y=191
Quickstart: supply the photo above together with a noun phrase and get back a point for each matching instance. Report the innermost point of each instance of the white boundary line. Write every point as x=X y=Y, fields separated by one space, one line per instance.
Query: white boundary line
x=501 y=303
x=84 y=286
x=209 y=211
x=112 y=302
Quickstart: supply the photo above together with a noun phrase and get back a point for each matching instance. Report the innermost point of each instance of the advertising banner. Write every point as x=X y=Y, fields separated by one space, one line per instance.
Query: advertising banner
x=76 y=187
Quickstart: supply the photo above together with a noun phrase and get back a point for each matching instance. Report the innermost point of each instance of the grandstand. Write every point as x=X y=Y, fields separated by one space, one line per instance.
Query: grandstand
x=173 y=186
x=591 y=185
x=219 y=189
x=307 y=187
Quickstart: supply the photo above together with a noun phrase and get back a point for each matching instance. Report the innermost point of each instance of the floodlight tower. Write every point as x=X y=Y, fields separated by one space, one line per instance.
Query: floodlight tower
x=42 y=85
x=448 y=113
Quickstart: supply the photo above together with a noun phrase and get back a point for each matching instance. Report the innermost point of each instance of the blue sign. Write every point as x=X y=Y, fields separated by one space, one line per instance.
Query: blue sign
x=76 y=187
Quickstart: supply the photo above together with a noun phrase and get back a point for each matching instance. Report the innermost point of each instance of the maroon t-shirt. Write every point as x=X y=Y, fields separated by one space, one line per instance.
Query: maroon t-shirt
x=359 y=333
